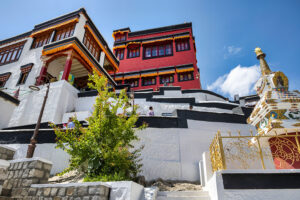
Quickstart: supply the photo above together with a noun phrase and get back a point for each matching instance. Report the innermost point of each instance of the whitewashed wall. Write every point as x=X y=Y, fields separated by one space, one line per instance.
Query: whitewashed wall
x=217 y=192
x=61 y=99
x=169 y=153
x=7 y=109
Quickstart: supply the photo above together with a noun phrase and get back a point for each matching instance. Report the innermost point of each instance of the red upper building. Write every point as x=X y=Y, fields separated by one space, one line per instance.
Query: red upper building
x=157 y=57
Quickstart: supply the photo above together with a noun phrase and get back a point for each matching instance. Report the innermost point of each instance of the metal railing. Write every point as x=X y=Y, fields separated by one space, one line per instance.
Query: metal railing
x=246 y=150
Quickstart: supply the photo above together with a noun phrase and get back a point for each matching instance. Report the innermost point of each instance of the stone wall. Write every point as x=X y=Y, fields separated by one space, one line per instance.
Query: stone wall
x=76 y=191
x=6 y=153
x=22 y=173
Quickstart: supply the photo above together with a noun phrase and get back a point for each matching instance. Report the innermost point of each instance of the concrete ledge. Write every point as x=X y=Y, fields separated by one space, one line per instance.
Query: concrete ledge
x=31 y=159
x=70 y=185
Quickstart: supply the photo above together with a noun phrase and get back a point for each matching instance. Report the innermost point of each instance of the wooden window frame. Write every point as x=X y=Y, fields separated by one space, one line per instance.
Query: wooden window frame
x=41 y=40
x=185 y=43
x=136 y=50
x=157 y=48
x=91 y=44
x=166 y=75
x=64 y=32
x=185 y=73
x=129 y=81
x=118 y=53
x=11 y=53
x=144 y=78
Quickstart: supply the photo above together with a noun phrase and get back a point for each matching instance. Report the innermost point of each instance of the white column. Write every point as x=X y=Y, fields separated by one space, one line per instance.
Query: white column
x=102 y=58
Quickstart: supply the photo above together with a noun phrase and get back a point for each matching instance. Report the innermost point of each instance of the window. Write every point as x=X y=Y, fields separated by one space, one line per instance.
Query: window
x=24 y=74
x=91 y=44
x=64 y=32
x=11 y=53
x=182 y=45
x=158 y=51
x=4 y=78
x=166 y=79
x=132 y=82
x=120 y=54
x=185 y=76
x=41 y=40
x=120 y=38
x=119 y=82
x=133 y=52
x=149 y=81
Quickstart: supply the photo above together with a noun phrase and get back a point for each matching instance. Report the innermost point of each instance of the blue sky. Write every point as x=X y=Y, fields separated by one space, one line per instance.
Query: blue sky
x=226 y=31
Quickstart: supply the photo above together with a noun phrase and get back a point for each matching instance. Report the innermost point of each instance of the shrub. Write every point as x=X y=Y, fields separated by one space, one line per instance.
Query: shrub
x=103 y=150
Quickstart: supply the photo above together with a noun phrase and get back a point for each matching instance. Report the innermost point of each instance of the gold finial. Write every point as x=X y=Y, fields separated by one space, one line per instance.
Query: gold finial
x=265 y=69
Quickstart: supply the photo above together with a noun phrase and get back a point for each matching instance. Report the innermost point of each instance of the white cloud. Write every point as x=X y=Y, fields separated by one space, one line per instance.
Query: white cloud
x=240 y=80
x=231 y=50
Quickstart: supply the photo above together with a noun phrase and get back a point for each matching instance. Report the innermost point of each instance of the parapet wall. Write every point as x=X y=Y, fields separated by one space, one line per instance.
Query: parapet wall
x=95 y=191
x=24 y=172
x=6 y=153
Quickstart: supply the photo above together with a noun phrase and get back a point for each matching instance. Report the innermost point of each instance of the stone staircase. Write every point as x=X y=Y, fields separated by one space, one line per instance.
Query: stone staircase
x=183 y=195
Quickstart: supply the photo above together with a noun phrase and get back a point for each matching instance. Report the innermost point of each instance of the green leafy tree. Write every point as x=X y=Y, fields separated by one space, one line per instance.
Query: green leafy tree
x=103 y=150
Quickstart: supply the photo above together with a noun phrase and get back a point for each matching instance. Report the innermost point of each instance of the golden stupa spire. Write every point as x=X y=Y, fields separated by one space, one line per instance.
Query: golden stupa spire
x=265 y=69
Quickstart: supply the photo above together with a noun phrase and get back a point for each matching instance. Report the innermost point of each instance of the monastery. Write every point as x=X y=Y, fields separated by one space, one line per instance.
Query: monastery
x=242 y=149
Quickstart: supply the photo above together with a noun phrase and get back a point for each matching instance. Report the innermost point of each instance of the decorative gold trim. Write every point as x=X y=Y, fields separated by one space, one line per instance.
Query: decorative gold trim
x=54 y=27
x=285 y=79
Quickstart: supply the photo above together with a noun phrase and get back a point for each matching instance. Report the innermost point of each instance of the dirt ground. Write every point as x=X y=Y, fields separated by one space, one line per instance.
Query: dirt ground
x=75 y=177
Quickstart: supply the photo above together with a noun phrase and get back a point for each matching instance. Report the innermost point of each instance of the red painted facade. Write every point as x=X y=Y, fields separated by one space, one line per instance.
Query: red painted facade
x=180 y=64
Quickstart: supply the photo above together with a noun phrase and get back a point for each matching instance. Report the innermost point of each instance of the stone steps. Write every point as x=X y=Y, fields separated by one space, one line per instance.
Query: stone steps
x=183 y=195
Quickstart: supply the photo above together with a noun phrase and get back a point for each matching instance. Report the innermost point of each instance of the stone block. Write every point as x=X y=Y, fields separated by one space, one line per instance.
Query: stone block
x=32 y=191
x=70 y=191
x=86 y=198
x=36 y=173
x=47 y=192
x=94 y=190
x=47 y=167
x=53 y=192
x=82 y=191
x=57 y=198
x=61 y=192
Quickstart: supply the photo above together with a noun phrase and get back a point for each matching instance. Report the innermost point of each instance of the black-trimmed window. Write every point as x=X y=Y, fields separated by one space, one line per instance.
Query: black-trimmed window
x=186 y=76
x=120 y=38
x=3 y=79
x=182 y=45
x=132 y=82
x=119 y=82
x=158 y=51
x=64 y=32
x=24 y=74
x=133 y=52
x=11 y=53
x=120 y=54
x=91 y=44
x=149 y=81
x=169 y=78
x=41 y=40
